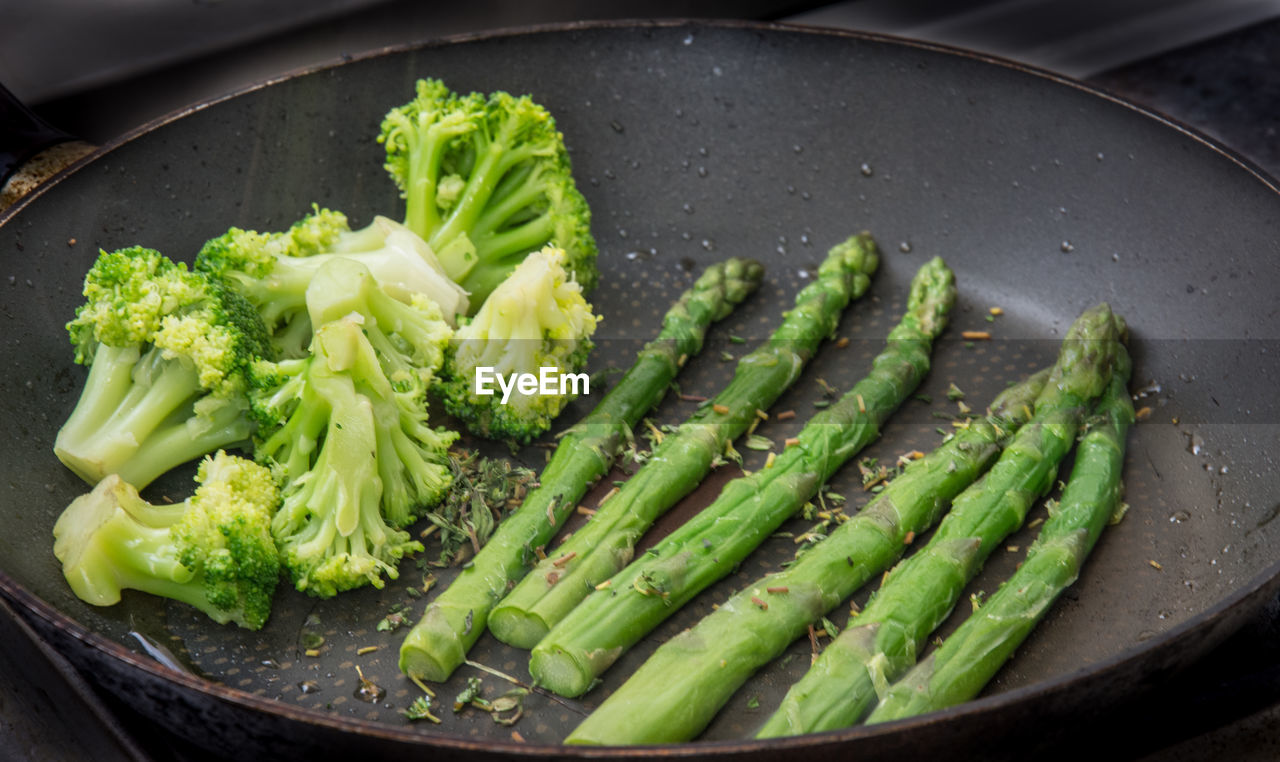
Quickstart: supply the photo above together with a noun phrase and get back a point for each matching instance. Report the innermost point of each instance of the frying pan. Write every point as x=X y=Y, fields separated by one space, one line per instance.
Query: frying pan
x=696 y=141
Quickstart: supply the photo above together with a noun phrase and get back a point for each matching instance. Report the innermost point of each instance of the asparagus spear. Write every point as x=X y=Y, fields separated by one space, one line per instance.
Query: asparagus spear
x=881 y=643
x=748 y=510
x=958 y=669
x=684 y=457
x=438 y=644
x=717 y=655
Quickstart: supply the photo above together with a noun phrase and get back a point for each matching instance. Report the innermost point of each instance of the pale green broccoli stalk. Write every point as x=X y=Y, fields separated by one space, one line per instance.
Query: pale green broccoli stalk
x=214 y=551
x=347 y=429
x=536 y=322
x=168 y=351
x=273 y=270
x=486 y=181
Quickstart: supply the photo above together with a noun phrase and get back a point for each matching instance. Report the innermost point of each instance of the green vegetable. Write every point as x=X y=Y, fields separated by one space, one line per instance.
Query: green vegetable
x=958 y=669
x=881 y=642
x=167 y=350
x=709 y=545
x=715 y=657
x=684 y=457
x=535 y=322
x=347 y=429
x=453 y=621
x=273 y=270
x=212 y=551
x=483 y=491
x=486 y=181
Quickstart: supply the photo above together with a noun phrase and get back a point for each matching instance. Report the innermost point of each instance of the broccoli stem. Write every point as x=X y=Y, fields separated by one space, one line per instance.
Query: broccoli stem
x=684 y=457
x=438 y=644
x=421 y=212
x=134 y=418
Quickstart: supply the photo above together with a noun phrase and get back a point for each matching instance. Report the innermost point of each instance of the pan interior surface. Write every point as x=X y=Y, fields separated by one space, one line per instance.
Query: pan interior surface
x=693 y=143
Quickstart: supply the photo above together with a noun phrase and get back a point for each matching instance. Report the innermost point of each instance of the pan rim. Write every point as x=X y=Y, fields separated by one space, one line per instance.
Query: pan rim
x=1264 y=583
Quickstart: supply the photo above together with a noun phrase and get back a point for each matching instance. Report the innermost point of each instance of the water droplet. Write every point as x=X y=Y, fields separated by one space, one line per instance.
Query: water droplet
x=609 y=175
x=679 y=113
x=702 y=171
x=688 y=40
x=717 y=71
x=804 y=239
x=1194 y=443
x=1099 y=156
x=797 y=148
x=1066 y=247
x=702 y=151
x=1177 y=517
x=1165 y=614
x=270 y=663
x=708 y=244
x=791 y=190
x=309 y=686
x=866 y=170
x=1152 y=388
x=805 y=195
x=369 y=692
x=905 y=247
x=802 y=274
x=617 y=126
x=687 y=208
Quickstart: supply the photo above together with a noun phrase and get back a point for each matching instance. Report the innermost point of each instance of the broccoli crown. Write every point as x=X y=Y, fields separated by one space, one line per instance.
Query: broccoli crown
x=213 y=551
x=168 y=351
x=137 y=296
x=347 y=429
x=273 y=270
x=536 y=319
x=486 y=181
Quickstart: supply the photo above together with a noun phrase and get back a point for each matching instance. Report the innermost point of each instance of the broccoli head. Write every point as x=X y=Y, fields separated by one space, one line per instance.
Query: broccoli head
x=273 y=270
x=347 y=429
x=214 y=551
x=537 y=323
x=168 y=351
x=486 y=181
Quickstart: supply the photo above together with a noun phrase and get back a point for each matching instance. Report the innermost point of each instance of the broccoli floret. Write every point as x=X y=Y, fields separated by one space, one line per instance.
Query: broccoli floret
x=214 y=551
x=273 y=270
x=347 y=429
x=486 y=181
x=537 y=318
x=168 y=351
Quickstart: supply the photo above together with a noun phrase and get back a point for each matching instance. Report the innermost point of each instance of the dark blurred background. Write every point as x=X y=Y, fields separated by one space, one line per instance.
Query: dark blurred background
x=101 y=68
x=98 y=68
